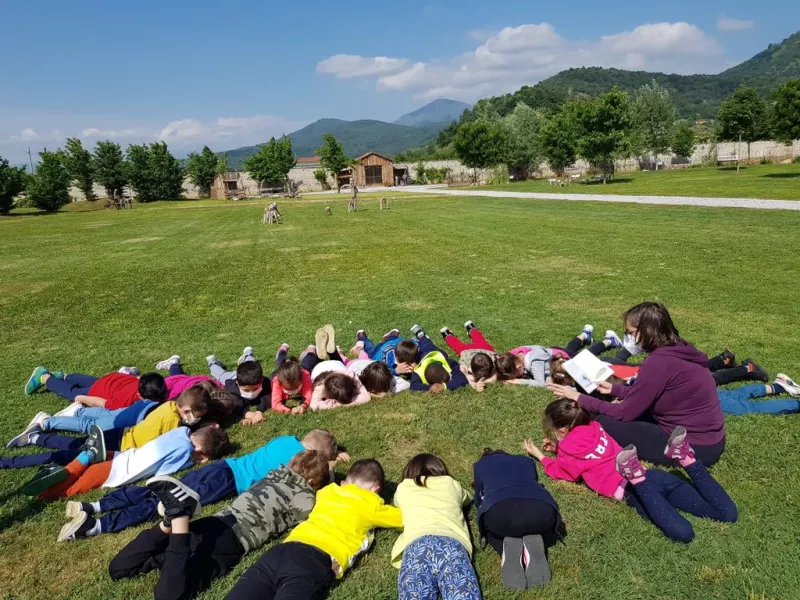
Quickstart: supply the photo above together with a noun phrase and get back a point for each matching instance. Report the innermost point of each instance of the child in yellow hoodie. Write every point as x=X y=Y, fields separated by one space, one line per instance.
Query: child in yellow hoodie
x=434 y=551
x=321 y=549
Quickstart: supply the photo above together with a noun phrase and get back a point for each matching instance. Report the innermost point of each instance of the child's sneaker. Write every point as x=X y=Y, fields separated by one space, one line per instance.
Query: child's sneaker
x=534 y=559
x=74 y=508
x=361 y=334
x=755 y=371
x=35 y=426
x=330 y=348
x=788 y=384
x=70 y=410
x=247 y=353
x=512 y=568
x=44 y=479
x=35 y=383
x=95 y=444
x=445 y=331
x=391 y=335
x=729 y=358
x=176 y=499
x=320 y=343
x=469 y=326
x=58 y=374
x=79 y=527
x=129 y=371
x=165 y=364
x=628 y=464
x=614 y=340
x=418 y=332
x=212 y=359
x=587 y=331
x=678 y=447
x=358 y=348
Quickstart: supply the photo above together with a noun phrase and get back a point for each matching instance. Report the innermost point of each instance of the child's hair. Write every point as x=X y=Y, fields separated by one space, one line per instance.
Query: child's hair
x=222 y=402
x=564 y=413
x=290 y=373
x=323 y=441
x=212 y=441
x=337 y=386
x=377 y=378
x=197 y=398
x=249 y=373
x=558 y=374
x=367 y=471
x=312 y=467
x=482 y=366
x=406 y=351
x=506 y=365
x=153 y=387
x=654 y=325
x=436 y=373
x=423 y=466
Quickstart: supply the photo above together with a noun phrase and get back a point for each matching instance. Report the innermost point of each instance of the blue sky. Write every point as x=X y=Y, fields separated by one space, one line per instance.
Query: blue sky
x=236 y=72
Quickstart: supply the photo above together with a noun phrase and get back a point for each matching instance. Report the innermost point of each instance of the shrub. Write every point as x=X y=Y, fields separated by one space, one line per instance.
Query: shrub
x=49 y=186
x=499 y=175
x=321 y=175
x=765 y=161
x=796 y=160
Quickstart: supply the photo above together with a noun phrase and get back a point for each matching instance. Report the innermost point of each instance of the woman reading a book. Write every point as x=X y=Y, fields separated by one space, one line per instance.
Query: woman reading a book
x=674 y=387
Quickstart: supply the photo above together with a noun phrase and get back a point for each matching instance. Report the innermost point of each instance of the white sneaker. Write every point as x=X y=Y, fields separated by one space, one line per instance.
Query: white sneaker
x=786 y=382
x=612 y=337
x=70 y=410
x=130 y=371
x=247 y=353
x=35 y=426
x=164 y=365
x=212 y=359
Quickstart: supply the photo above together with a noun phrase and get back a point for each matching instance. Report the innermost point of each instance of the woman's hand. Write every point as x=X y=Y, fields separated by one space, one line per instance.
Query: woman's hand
x=562 y=391
x=604 y=387
x=532 y=449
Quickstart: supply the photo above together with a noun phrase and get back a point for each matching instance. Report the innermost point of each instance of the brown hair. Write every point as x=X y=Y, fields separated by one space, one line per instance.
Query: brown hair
x=249 y=373
x=337 y=386
x=406 y=352
x=197 y=397
x=506 y=365
x=312 y=467
x=377 y=378
x=653 y=324
x=558 y=374
x=367 y=471
x=436 y=373
x=323 y=441
x=564 y=413
x=423 y=466
x=482 y=366
x=212 y=441
x=290 y=373
x=222 y=402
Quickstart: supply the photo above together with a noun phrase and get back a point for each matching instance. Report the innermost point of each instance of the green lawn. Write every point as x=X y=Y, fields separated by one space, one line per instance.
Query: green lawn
x=778 y=182
x=92 y=290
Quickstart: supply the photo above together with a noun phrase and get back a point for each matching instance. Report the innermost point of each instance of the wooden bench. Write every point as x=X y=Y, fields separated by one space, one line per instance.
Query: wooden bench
x=727 y=158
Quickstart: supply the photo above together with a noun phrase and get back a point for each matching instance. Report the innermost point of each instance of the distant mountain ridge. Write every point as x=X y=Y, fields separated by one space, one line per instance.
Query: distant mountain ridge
x=438 y=111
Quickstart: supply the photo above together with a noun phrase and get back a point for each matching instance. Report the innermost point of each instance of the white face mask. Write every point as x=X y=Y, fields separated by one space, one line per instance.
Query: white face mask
x=251 y=395
x=190 y=420
x=631 y=345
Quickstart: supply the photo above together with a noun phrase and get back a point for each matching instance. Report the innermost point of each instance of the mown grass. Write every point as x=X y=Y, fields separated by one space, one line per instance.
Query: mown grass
x=90 y=291
x=777 y=182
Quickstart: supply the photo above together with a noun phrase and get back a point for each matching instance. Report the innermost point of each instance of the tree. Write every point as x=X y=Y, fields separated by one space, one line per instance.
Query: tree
x=742 y=116
x=332 y=157
x=481 y=144
x=786 y=111
x=12 y=184
x=109 y=168
x=137 y=172
x=683 y=141
x=202 y=169
x=48 y=188
x=78 y=162
x=222 y=164
x=653 y=114
x=524 y=126
x=272 y=163
x=321 y=175
x=166 y=172
x=558 y=141
x=421 y=177
x=604 y=128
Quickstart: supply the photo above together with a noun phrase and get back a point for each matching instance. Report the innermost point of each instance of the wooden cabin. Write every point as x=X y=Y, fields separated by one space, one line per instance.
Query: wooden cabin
x=372 y=169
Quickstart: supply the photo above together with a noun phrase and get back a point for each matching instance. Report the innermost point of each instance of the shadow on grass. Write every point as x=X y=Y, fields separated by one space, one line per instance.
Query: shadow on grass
x=782 y=175
x=731 y=169
x=619 y=180
x=31 y=508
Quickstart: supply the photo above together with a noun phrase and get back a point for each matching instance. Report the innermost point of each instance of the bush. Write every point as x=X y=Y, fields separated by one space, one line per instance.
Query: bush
x=499 y=175
x=765 y=161
x=321 y=175
x=796 y=160
x=434 y=175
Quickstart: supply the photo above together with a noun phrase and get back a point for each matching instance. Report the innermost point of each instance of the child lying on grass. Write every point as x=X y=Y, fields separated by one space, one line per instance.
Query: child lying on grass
x=112 y=391
x=429 y=368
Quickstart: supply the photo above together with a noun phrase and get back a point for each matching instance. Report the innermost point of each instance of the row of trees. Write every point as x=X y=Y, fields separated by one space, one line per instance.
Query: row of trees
x=616 y=125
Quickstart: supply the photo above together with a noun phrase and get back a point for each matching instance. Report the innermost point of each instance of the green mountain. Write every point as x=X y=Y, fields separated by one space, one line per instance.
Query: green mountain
x=438 y=111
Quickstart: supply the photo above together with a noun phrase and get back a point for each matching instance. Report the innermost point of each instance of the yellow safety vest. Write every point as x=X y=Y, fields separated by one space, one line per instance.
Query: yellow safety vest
x=430 y=358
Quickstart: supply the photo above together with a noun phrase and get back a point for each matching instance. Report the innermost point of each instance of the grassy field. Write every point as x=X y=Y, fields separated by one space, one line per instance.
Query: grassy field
x=90 y=291
x=776 y=182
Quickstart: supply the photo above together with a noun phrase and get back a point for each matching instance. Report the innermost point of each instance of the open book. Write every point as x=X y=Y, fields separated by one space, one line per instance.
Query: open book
x=587 y=370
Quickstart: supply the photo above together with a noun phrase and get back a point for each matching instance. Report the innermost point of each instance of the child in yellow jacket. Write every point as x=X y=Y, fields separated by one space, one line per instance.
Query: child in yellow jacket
x=321 y=549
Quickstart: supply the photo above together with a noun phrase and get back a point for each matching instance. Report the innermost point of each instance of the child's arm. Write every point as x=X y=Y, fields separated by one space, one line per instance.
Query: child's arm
x=362 y=395
x=308 y=388
x=318 y=400
x=554 y=468
x=457 y=378
x=388 y=516
x=417 y=385
x=95 y=401
x=528 y=382
x=278 y=404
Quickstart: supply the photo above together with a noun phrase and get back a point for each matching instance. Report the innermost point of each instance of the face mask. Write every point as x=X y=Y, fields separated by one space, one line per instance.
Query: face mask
x=189 y=421
x=250 y=395
x=631 y=345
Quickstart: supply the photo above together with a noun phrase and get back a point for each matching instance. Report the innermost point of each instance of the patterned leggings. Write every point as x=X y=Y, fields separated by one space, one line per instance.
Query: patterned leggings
x=433 y=565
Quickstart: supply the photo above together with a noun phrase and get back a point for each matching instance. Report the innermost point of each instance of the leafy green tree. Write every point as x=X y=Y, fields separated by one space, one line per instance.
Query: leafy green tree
x=223 y=166
x=137 y=171
x=332 y=157
x=524 y=126
x=272 y=163
x=683 y=141
x=421 y=177
x=653 y=114
x=78 y=162
x=558 y=140
x=48 y=188
x=321 y=175
x=786 y=111
x=109 y=167
x=481 y=144
x=604 y=128
x=166 y=172
x=743 y=116
x=12 y=183
x=201 y=169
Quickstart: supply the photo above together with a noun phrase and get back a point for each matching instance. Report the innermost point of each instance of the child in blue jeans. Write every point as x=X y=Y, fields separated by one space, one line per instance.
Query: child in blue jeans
x=739 y=401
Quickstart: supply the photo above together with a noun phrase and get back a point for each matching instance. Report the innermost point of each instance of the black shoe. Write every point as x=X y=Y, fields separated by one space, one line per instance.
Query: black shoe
x=729 y=358
x=95 y=443
x=469 y=326
x=755 y=371
x=445 y=332
x=176 y=499
x=418 y=332
x=44 y=479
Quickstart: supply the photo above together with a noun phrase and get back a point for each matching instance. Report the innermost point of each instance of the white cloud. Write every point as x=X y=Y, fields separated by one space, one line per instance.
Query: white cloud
x=352 y=66
x=731 y=24
x=529 y=53
x=94 y=132
x=26 y=135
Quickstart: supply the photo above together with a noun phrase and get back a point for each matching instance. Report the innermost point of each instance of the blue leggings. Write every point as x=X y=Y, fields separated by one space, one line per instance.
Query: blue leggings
x=133 y=505
x=435 y=565
x=661 y=495
x=72 y=385
x=739 y=401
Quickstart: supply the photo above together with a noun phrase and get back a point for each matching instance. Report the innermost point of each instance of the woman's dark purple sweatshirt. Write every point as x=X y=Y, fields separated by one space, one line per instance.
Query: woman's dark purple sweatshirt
x=674 y=387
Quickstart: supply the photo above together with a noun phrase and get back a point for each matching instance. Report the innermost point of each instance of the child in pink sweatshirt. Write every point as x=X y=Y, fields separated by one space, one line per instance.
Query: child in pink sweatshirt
x=584 y=450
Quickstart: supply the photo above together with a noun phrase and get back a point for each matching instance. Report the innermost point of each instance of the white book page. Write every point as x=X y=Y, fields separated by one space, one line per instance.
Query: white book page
x=587 y=370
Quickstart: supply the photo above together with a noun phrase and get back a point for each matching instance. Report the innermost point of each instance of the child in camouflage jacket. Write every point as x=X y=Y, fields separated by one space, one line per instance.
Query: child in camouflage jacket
x=191 y=557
